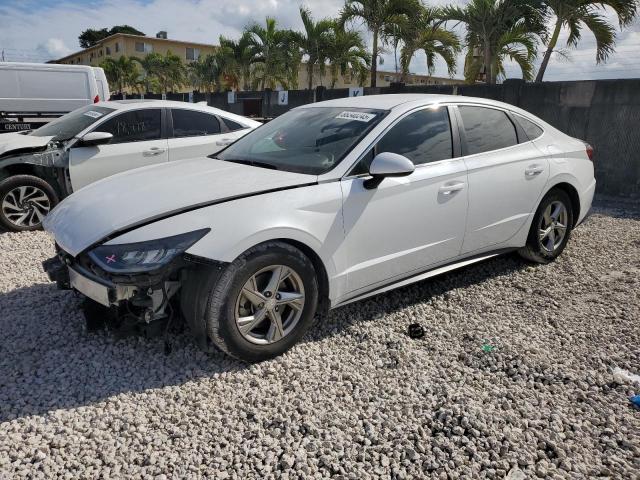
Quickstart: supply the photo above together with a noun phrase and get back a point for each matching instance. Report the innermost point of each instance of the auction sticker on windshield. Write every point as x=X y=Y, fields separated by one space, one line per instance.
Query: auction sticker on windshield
x=93 y=114
x=359 y=116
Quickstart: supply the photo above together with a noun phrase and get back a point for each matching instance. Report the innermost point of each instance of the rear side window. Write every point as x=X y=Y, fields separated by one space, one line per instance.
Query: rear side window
x=423 y=137
x=231 y=125
x=487 y=129
x=532 y=130
x=190 y=123
x=133 y=126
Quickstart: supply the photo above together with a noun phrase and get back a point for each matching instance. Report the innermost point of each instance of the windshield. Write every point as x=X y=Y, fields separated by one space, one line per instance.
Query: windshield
x=308 y=140
x=71 y=124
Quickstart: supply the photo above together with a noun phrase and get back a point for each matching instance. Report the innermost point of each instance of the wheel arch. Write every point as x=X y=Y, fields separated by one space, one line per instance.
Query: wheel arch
x=572 y=192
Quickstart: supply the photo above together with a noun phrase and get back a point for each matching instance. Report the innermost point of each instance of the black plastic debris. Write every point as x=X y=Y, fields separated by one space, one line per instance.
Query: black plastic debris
x=416 y=331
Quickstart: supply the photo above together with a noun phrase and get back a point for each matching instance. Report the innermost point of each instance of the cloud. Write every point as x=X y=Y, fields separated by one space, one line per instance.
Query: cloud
x=40 y=30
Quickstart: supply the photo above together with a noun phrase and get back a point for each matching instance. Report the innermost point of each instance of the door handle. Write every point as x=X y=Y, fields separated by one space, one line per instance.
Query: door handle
x=451 y=188
x=533 y=170
x=153 y=151
x=224 y=142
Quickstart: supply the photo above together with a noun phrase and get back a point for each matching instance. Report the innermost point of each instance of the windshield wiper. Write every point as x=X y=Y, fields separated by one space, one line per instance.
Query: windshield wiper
x=253 y=163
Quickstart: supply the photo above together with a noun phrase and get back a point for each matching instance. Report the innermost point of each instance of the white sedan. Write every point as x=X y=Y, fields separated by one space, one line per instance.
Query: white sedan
x=328 y=204
x=39 y=168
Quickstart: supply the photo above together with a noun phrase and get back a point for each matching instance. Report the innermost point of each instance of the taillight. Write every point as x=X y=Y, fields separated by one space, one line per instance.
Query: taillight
x=96 y=99
x=590 y=152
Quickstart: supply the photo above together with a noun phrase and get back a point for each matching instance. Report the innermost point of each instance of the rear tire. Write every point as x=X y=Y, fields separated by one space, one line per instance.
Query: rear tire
x=550 y=229
x=24 y=202
x=263 y=302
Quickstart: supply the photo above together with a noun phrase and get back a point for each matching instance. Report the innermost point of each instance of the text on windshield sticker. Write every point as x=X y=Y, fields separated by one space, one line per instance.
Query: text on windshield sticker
x=358 y=116
x=93 y=114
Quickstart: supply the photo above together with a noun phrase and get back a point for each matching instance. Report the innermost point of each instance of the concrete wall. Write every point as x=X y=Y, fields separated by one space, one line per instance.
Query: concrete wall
x=605 y=113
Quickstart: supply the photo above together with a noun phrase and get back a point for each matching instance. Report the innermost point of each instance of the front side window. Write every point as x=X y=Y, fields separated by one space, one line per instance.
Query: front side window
x=71 y=124
x=531 y=129
x=422 y=137
x=189 y=123
x=133 y=126
x=310 y=140
x=487 y=129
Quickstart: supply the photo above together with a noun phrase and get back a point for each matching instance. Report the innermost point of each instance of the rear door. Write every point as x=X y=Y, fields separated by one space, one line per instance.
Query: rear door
x=137 y=142
x=197 y=134
x=507 y=173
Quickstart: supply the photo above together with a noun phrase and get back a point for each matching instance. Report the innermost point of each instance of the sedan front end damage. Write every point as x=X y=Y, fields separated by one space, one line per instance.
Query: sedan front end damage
x=137 y=283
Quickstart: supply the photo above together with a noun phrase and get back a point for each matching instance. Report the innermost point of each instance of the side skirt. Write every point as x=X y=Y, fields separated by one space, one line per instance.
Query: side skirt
x=423 y=276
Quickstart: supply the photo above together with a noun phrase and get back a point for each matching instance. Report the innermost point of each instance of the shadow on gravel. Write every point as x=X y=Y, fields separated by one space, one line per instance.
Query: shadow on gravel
x=48 y=361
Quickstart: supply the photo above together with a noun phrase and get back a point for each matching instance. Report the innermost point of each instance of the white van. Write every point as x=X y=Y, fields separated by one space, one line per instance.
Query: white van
x=44 y=89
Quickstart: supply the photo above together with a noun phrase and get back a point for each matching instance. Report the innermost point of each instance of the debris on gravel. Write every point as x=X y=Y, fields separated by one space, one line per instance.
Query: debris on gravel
x=513 y=378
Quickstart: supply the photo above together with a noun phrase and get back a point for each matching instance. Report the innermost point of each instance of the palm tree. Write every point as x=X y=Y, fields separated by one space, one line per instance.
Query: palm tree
x=378 y=16
x=347 y=55
x=577 y=14
x=122 y=72
x=167 y=72
x=241 y=59
x=488 y=22
x=424 y=31
x=204 y=74
x=151 y=65
x=314 y=42
x=516 y=43
x=275 y=54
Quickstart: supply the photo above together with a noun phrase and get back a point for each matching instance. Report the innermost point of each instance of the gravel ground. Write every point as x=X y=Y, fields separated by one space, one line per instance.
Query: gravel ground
x=514 y=375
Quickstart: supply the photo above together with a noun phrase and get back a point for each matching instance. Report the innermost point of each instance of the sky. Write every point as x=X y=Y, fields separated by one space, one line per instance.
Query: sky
x=41 y=30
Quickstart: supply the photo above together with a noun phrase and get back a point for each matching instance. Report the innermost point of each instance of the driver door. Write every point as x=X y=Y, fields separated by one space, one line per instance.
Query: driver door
x=137 y=142
x=406 y=224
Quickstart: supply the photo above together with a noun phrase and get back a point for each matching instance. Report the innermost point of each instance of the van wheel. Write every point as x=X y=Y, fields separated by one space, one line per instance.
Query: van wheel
x=550 y=229
x=263 y=302
x=24 y=202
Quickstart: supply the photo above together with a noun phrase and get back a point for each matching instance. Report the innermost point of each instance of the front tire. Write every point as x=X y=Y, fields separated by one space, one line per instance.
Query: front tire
x=550 y=229
x=24 y=202
x=263 y=302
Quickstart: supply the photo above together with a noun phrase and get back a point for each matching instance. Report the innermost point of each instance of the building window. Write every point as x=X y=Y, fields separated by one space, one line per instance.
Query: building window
x=117 y=47
x=193 y=53
x=107 y=50
x=100 y=52
x=144 y=47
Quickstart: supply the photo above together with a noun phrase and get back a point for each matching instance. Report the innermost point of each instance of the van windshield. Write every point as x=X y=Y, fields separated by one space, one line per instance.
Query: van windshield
x=71 y=124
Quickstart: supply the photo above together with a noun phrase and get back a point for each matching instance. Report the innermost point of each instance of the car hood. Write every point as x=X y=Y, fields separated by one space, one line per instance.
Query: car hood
x=140 y=196
x=18 y=143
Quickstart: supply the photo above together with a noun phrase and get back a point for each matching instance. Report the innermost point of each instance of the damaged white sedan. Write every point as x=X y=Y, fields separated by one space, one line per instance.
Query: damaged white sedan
x=40 y=167
x=327 y=204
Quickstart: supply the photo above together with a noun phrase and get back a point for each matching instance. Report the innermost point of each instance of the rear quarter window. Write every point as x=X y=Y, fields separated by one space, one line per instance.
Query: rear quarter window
x=532 y=130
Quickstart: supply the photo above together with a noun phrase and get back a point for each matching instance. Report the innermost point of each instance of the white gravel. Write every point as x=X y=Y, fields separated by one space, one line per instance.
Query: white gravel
x=358 y=398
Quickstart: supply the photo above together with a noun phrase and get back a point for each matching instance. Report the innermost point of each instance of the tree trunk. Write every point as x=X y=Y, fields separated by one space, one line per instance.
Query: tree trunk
x=374 y=58
x=310 y=73
x=547 y=55
x=487 y=64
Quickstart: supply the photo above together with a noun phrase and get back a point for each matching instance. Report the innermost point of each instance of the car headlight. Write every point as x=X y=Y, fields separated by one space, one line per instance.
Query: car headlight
x=144 y=256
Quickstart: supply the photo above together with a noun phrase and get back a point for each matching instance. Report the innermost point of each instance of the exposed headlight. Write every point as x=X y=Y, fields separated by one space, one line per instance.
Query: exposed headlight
x=144 y=256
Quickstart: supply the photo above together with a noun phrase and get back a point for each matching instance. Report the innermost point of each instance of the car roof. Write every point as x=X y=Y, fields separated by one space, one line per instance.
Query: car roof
x=134 y=104
x=390 y=101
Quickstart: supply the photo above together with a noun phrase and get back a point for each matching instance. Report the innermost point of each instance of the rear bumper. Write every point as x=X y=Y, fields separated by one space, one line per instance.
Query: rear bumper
x=586 y=200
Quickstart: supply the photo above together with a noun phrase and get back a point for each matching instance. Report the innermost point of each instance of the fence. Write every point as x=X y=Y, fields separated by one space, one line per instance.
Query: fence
x=605 y=113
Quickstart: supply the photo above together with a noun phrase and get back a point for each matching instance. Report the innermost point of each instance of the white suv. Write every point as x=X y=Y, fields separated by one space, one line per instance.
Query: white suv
x=39 y=168
x=325 y=205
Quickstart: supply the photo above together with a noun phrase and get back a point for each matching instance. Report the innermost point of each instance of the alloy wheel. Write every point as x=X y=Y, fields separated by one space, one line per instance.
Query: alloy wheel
x=553 y=226
x=26 y=206
x=270 y=304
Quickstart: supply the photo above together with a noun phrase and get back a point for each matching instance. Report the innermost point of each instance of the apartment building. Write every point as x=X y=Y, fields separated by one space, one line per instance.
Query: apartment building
x=137 y=46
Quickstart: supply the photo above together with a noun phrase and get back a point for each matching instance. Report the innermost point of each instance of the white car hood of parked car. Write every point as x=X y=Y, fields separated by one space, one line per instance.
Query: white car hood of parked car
x=18 y=141
x=132 y=198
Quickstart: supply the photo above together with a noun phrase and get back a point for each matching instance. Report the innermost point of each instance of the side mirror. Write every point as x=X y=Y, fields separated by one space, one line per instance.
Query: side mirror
x=388 y=164
x=93 y=139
